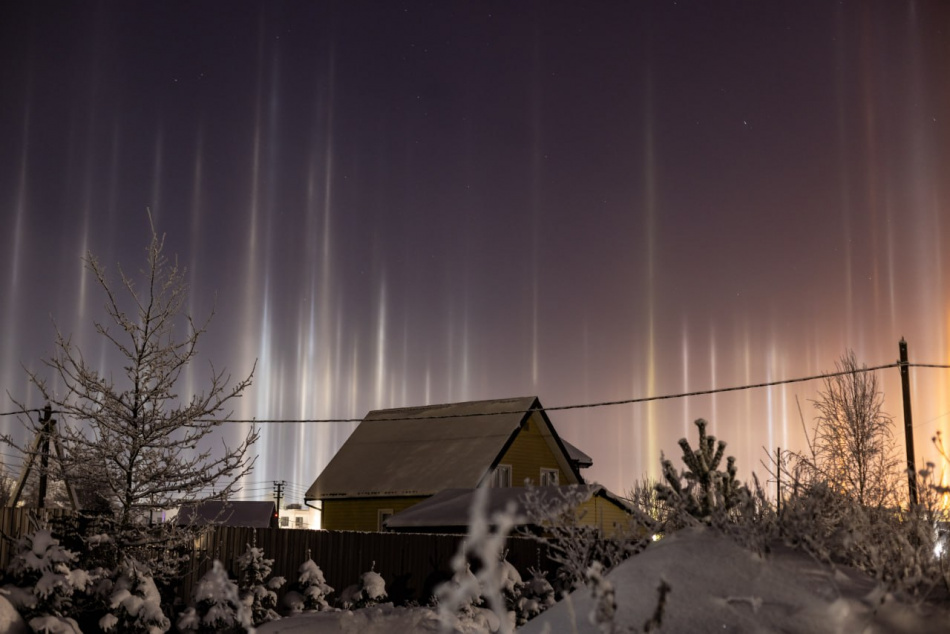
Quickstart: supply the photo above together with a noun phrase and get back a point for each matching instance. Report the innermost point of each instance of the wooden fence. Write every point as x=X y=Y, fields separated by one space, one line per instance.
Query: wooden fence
x=411 y=564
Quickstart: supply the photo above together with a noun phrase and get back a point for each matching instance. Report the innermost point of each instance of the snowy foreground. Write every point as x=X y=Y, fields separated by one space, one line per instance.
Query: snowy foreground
x=716 y=586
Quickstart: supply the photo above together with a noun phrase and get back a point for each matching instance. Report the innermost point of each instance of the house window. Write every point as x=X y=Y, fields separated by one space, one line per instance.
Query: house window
x=549 y=477
x=381 y=516
x=284 y=521
x=298 y=521
x=501 y=476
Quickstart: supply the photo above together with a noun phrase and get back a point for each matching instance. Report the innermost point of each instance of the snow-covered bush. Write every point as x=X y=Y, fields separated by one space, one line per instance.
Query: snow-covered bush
x=536 y=595
x=44 y=582
x=256 y=590
x=218 y=607
x=370 y=590
x=134 y=604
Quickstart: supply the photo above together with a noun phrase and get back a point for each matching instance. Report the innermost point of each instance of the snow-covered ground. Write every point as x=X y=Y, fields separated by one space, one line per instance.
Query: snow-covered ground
x=379 y=619
x=715 y=586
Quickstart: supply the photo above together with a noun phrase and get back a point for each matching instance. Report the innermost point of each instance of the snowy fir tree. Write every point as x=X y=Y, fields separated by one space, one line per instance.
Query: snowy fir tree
x=370 y=590
x=311 y=589
x=134 y=605
x=44 y=583
x=218 y=607
x=707 y=489
x=256 y=590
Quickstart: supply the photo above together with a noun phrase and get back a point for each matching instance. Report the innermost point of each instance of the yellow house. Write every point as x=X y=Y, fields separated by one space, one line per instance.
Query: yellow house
x=397 y=458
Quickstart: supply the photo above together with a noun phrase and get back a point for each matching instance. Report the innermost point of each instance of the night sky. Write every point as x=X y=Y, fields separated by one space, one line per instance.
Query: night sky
x=396 y=204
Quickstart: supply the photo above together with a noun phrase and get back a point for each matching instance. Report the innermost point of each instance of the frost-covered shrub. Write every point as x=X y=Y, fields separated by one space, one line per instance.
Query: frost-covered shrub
x=134 y=605
x=604 y=607
x=485 y=543
x=534 y=597
x=898 y=547
x=45 y=583
x=311 y=590
x=218 y=607
x=370 y=590
x=574 y=546
x=256 y=590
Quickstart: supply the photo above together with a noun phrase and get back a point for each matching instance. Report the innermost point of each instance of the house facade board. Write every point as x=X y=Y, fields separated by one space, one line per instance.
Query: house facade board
x=533 y=449
x=361 y=514
x=604 y=514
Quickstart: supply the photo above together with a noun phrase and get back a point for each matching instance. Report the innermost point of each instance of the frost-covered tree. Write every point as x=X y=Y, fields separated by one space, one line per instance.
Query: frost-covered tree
x=852 y=443
x=127 y=431
x=218 y=607
x=257 y=590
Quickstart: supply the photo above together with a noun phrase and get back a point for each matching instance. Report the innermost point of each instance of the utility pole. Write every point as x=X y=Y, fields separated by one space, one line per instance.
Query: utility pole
x=908 y=425
x=48 y=423
x=279 y=492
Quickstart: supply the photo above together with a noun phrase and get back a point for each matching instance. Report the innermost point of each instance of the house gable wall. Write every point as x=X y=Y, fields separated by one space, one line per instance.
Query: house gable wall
x=604 y=514
x=531 y=451
x=361 y=514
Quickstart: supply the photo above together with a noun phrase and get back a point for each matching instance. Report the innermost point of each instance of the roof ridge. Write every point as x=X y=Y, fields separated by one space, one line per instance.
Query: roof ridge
x=455 y=404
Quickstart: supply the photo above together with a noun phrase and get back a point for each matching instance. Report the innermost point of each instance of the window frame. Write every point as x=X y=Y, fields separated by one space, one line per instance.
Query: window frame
x=545 y=471
x=381 y=516
x=496 y=476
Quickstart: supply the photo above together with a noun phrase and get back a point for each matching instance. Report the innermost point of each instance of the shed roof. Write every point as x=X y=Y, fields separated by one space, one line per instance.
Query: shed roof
x=450 y=509
x=251 y=514
x=424 y=450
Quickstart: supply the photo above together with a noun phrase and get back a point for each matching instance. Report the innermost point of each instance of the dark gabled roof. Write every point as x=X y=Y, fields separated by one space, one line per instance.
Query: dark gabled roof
x=451 y=509
x=249 y=514
x=420 y=451
x=578 y=457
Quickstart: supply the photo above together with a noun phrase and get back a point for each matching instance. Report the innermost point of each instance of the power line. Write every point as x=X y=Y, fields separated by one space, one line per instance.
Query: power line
x=630 y=401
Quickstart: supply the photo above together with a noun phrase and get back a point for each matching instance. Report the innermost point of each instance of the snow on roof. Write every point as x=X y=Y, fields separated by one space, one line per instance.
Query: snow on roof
x=451 y=508
x=252 y=514
x=422 y=450
x=577 y=456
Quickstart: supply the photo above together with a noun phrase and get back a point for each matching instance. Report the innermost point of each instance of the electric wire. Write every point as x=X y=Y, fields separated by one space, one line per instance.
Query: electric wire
x=629 y=401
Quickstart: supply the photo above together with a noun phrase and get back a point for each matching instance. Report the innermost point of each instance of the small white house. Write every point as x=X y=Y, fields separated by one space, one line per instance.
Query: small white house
x=299 y=516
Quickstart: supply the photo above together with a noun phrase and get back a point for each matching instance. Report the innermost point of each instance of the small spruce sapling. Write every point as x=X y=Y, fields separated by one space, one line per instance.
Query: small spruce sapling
x=218 y=607
x=370 y=590
x=311 y=589
x=707 y=490
x=256 y=590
